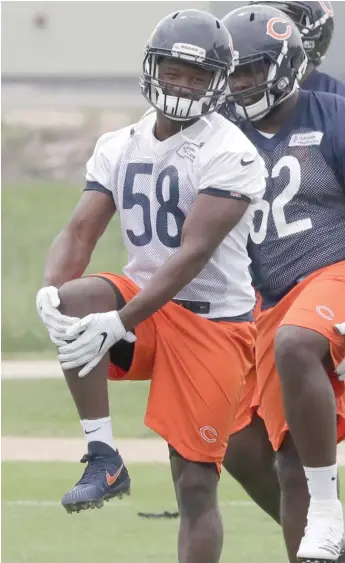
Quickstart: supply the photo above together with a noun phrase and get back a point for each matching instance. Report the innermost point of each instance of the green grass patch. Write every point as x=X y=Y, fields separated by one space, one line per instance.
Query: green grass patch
x=37 y=533
x=45 y=408
x=32 y=215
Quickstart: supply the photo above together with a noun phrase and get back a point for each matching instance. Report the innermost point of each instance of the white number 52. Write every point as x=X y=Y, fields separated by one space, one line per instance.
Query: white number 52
x=284 y=229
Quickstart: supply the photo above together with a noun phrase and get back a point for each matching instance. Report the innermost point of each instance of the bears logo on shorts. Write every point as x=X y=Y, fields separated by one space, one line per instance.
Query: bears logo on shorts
x=208 y=434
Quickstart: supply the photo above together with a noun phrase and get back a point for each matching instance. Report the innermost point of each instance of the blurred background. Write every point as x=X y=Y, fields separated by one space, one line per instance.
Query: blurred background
x=70 y=73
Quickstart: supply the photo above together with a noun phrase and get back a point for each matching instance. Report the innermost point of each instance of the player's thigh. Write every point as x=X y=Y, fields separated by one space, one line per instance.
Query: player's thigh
x=199 y=370
x=130 y=361
x=318 y=307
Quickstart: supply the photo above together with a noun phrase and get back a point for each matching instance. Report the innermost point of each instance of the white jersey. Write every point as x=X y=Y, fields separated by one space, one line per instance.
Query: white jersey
x=154 y=185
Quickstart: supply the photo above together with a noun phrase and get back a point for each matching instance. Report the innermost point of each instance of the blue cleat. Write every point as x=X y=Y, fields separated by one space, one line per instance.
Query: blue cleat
x=105 y=477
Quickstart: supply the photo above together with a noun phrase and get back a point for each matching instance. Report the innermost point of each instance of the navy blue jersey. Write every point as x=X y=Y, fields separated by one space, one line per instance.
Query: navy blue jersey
x=299 y=226
x=322 y=82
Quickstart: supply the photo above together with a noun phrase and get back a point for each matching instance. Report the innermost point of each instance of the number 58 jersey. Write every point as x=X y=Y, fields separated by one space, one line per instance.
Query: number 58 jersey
x=154 y=185
x=299 y=226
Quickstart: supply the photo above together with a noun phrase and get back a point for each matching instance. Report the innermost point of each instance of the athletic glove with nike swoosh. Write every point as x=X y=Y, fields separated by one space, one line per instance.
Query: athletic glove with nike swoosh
x=340 y=369
x=94 y=335
x=47 y=302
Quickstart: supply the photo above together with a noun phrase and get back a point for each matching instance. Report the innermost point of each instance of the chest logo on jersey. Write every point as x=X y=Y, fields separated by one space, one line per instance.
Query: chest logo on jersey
x=306 y=139
x=189 y=150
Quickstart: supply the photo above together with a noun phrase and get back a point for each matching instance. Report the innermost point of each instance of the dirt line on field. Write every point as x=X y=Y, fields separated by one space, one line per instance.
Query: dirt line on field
x=16 y=448
x=31 y=369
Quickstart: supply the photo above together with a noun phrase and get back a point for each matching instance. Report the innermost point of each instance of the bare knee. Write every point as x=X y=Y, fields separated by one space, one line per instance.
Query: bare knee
x=249 y=453
x=196 y=487
x=297 y=349
x=87 y=295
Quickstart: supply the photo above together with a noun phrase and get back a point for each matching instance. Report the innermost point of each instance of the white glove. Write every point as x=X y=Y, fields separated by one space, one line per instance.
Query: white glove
x=340 y=328
x=95 y=335
x=340 y=370
x=47 y=302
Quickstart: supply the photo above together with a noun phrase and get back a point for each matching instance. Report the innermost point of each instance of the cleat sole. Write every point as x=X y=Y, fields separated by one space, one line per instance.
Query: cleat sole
x=119 y=492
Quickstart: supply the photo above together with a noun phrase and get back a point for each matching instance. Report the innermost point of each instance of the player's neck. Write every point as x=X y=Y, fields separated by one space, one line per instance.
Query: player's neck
x=165 y=128
x=273 y=122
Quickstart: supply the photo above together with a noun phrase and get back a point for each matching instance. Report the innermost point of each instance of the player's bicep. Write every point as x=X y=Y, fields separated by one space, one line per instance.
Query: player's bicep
x=92 y=216
x=212 y=216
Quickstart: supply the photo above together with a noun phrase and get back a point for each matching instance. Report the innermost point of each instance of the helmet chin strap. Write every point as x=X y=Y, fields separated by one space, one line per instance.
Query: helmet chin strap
x=260 y=109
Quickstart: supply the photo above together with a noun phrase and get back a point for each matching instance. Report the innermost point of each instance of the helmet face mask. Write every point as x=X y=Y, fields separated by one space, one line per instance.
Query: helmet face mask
x=185 y=81
x=265 y=88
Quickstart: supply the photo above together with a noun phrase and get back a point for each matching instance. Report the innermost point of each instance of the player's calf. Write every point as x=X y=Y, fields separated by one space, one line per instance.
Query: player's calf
x=294 y=496
x=250 y=459
x=311 y=415
x=201 y=529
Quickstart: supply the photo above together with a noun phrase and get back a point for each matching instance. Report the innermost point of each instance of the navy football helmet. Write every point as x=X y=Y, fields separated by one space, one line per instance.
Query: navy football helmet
x=315 y=23
x=196 y=38
x=269 y=60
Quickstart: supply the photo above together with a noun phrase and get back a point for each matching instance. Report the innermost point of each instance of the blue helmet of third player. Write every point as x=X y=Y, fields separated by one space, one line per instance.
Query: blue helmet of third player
x=314 y=20
x=269 y=59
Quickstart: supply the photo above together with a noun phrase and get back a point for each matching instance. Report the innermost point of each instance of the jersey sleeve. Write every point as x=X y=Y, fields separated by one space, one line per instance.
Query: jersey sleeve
x=238 y=175
x=98 y=168
x=108 y=149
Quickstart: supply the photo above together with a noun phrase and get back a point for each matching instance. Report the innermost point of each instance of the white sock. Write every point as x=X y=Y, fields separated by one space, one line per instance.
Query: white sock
x=98 y=430
x=322 y=482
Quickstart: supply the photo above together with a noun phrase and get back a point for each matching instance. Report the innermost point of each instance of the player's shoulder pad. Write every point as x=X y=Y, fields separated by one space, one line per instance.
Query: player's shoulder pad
x=228 y=137
x=108 y=141
x=330 y=104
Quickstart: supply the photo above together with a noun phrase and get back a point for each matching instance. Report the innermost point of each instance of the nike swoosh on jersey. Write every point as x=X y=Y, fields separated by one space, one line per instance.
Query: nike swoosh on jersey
x=246 y=162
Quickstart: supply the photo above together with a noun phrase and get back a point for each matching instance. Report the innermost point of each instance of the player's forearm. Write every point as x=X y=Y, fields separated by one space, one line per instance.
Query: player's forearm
x=166 y=283
x=68 y=258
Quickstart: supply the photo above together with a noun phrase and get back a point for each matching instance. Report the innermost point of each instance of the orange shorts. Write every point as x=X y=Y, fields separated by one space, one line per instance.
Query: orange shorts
x=317 y=303
x=197 y=368
x=249 y=397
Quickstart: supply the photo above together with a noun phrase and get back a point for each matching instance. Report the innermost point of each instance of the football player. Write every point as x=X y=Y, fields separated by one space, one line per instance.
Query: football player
x=184 y=181
x=298 y=264
x=315 y=22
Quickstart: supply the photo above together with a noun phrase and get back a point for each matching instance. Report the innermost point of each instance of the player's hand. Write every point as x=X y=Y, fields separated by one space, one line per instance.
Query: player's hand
x=47 y=302
x=95 y=335
x=340 y=369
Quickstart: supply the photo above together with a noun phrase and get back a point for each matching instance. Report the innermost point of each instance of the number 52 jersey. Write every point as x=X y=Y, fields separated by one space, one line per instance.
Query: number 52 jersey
x=154 y=185
x=299 y=226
